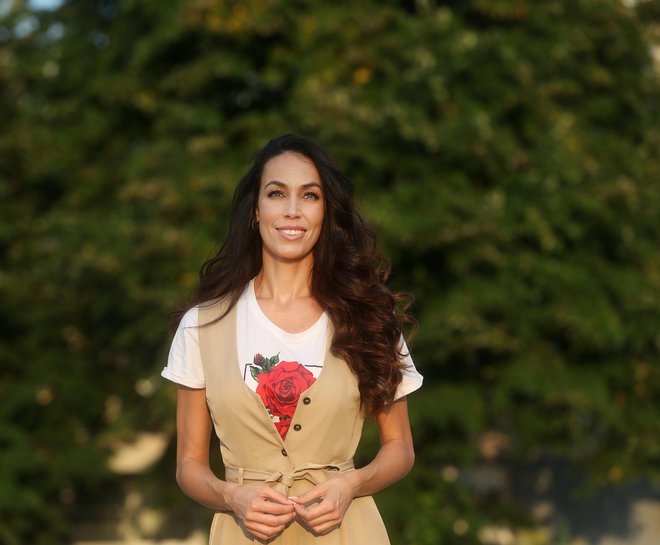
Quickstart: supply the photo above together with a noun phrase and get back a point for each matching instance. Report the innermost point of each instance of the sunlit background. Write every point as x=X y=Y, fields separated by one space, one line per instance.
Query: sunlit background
x=507 y=152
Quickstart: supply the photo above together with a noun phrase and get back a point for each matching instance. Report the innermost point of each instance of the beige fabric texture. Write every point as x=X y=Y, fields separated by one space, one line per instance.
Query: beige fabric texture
x=330 y=424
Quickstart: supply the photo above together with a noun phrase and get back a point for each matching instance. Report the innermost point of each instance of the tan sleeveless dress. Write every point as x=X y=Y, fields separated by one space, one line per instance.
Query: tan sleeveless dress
x=320 y=444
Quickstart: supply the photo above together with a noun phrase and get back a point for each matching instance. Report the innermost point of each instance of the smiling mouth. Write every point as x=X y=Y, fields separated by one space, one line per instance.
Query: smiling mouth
x=291 y=232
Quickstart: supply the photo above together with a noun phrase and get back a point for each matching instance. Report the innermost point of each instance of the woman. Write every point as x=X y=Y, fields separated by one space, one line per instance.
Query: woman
x=291 y=339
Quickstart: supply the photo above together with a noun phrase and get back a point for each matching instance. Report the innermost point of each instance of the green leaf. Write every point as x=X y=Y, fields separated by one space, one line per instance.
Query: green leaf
x=255 y=371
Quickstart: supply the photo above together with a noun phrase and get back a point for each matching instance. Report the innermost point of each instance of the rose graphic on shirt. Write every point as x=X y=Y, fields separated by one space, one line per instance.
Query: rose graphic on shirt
x=279 y=386
x=262 y=365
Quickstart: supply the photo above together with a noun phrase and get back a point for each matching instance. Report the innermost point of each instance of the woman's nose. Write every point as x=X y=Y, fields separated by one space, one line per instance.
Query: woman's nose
x=292 y=208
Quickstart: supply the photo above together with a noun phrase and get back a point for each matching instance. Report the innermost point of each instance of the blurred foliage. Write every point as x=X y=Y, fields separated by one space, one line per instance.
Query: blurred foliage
x=507 y=150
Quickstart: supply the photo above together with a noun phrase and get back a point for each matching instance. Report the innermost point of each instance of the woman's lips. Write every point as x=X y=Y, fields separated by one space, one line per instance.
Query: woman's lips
x=291 y=232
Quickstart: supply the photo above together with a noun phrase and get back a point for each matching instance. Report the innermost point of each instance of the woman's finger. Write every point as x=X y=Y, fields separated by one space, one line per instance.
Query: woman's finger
x=264 y=533
x=323 y=523
x=317 y=516
x=309 y=496
x=309 y=513
x=323 y=528
x=268 y=519
x=271 y=507
x=266 y=526
x=274 y=495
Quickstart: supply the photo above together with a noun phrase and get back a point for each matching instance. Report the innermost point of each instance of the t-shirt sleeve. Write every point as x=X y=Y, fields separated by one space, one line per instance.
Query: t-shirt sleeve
x=411 y=380
x=184 y=364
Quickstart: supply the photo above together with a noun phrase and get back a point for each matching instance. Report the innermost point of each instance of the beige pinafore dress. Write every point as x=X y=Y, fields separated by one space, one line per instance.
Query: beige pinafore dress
x=320 y=444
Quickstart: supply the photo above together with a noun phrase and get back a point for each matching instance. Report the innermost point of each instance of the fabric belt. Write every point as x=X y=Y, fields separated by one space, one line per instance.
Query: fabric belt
x=283 y=480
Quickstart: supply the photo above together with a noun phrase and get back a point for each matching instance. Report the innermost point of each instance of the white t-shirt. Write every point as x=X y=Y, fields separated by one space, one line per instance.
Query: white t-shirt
x=261 y=345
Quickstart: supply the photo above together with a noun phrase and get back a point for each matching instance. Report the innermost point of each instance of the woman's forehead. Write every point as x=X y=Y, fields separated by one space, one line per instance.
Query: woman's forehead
x=290 y=167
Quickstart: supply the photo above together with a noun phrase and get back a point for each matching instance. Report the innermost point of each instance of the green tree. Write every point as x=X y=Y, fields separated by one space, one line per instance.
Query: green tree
x=506 y=150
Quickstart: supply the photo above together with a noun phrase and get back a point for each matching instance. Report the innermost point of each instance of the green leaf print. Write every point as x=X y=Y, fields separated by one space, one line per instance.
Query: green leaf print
x=260 y=365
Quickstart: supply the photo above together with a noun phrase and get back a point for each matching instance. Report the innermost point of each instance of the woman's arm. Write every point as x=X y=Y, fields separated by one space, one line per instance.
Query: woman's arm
x=193 y=424
x=396 y=455
x=265 y=511
x=393 y=461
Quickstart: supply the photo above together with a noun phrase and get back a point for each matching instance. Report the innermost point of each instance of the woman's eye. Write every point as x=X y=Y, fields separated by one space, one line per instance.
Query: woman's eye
x=311 y=195
x=275 y=193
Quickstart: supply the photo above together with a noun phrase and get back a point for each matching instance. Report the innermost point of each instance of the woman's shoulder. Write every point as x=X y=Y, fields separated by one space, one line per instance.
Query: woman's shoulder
x=213 y=309
x=211 y=303
x=191 y=317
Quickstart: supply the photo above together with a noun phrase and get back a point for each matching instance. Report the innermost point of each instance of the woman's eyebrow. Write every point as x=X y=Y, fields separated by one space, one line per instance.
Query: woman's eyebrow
x=304 y=186
x=276 y=183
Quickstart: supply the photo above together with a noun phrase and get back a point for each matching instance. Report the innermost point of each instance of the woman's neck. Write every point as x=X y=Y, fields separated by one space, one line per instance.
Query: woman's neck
x=283 y=282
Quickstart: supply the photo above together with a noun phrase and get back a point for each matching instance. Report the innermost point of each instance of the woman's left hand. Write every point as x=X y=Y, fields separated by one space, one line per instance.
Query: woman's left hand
x=329 y=501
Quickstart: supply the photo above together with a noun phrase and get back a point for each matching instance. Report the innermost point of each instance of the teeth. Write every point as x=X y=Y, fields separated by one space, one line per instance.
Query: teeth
x=291 y=231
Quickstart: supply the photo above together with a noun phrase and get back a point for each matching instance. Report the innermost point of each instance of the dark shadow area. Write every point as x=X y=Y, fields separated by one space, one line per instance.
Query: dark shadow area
x=556 y=490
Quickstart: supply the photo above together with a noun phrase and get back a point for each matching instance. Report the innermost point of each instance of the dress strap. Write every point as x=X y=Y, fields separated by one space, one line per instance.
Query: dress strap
x=283 y=481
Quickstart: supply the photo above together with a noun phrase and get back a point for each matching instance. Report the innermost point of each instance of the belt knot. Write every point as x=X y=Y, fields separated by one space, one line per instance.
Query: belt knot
x=283 y=480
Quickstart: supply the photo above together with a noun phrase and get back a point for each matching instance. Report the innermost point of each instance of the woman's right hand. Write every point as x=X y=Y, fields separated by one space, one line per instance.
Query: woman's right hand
x=265 y=512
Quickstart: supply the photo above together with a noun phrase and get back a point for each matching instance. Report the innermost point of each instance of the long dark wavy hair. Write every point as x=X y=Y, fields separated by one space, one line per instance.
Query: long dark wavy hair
x=349 y=273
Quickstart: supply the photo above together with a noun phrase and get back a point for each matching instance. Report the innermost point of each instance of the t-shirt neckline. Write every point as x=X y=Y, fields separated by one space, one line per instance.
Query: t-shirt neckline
x=300 y=336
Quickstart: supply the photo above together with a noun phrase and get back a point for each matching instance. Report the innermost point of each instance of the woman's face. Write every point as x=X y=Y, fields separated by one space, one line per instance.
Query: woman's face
x=290 y=208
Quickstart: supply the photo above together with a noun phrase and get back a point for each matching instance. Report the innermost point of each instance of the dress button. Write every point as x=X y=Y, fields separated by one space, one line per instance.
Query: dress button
x=297 y=427
x=284 y=452
x=306 y=400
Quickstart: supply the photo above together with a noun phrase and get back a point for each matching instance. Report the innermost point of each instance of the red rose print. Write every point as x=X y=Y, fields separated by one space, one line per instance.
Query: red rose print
x=280 y=389
x=283 y=426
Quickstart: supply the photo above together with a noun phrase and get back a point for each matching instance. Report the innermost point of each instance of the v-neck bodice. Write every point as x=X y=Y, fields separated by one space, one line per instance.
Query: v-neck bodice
x=329 y=407
x=305 y=394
